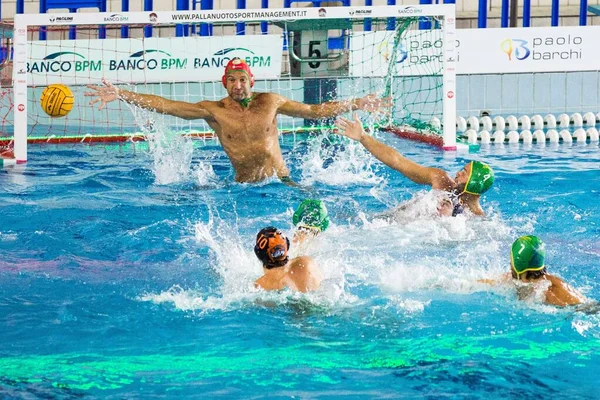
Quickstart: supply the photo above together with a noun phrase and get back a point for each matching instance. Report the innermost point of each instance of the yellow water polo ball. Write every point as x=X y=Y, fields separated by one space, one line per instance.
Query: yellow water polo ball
x=57 y=100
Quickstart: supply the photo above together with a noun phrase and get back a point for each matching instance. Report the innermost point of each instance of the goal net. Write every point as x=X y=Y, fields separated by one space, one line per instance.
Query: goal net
x=310 y=55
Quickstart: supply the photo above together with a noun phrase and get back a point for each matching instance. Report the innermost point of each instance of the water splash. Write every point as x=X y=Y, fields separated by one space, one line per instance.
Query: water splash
x=204 y=175
x=425 y=251
x=233 y=260
x=232 y=255
x=338 y=162
x=171 y=152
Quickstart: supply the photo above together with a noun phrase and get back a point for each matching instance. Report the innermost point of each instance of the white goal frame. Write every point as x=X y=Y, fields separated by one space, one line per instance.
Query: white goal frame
x=157 y=18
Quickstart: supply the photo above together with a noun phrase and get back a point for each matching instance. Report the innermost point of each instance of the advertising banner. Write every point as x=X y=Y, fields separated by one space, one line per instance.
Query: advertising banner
x=241 y=15
x=417 y=53
x=479 y=51
x=180 y=59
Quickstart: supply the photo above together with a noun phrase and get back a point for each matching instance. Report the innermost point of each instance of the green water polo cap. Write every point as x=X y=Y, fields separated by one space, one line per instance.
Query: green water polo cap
x=527 y=254
x=480 y=179
x=311 y=214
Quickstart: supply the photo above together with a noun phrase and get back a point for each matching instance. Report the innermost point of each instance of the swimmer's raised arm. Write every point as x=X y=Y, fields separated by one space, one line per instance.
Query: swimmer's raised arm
x=417 y=173
x=331 y=109
x=107 y=93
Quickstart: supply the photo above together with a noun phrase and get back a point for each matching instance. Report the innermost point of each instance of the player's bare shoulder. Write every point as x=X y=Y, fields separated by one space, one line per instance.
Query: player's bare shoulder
x=302 y=265
x=211 y=105
x=214 y=108
x=272 y=99
x=441 y=180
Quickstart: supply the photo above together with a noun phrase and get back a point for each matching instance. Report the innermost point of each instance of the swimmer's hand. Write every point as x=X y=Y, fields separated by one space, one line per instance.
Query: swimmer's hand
x=104 y=94
x=351 y=129
x=488 y=281
x=505 y=278
x=286 y=180
x=372 y=103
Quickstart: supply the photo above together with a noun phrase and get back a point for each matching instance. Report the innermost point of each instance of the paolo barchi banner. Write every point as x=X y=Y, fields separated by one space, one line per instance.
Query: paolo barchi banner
x=478 y=51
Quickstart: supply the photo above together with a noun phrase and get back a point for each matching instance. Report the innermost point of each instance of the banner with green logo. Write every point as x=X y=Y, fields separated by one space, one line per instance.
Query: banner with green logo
x=180 y=59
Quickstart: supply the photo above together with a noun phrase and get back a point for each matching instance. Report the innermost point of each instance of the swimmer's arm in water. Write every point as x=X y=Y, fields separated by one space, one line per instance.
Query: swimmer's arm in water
x=504 y=279
x=591 y=307
x=558 y=294
x=435 y=177
x=286 y=180
x=561 y=294
x=107 y=93
x=331 y=109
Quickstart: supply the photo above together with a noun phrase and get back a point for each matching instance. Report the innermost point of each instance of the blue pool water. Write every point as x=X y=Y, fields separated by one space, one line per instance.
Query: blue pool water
x=126 y=272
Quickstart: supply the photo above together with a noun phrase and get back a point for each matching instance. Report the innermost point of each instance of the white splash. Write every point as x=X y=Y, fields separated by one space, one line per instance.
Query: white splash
x=171 y=152
x=233 y=260
x=582 y=326
x=204 y=175
x=8 y=237
x=325 y=163
x=396 y=258
x=410 y=306
x=425 y=252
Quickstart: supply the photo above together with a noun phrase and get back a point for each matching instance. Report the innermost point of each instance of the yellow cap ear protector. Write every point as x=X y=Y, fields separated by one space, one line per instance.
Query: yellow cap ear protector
x=272 y=247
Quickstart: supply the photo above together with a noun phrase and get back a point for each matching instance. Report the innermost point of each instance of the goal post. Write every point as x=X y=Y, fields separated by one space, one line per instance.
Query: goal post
x=308 y=54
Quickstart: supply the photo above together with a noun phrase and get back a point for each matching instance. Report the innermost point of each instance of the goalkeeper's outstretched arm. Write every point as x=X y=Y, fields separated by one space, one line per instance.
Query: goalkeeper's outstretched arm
x=331 y=109
x=107 y=93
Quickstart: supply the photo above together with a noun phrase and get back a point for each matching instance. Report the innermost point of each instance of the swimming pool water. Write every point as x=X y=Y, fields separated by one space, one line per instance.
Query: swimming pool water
x=126 y=272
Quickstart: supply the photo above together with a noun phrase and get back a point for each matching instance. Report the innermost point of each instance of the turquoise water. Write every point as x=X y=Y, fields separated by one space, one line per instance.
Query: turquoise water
x=126 y=272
